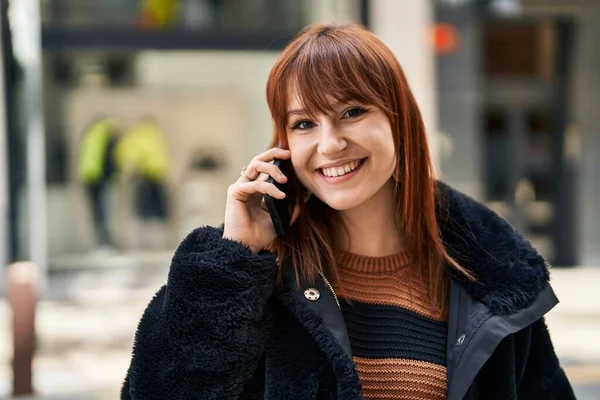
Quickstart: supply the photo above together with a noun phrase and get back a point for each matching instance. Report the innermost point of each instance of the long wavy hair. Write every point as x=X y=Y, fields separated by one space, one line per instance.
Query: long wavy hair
x=328 y=64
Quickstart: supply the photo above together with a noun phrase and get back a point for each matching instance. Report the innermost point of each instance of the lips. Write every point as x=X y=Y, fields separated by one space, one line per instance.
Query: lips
x=341 y=170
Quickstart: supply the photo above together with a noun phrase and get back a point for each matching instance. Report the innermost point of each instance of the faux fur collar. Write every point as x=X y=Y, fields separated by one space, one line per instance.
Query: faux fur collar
x=510 y=272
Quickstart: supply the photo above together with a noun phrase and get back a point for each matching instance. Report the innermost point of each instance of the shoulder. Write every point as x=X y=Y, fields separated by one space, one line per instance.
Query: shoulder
x=510 y=272
x=206 y=247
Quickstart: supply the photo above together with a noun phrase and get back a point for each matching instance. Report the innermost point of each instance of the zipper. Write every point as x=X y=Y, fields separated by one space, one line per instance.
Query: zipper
x=329 y=286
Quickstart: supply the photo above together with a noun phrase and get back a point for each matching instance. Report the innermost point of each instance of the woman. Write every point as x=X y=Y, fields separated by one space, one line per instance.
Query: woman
x=387 y=285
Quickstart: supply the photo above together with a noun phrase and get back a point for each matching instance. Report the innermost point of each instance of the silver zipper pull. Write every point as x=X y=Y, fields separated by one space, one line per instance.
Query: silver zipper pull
x=329 y=286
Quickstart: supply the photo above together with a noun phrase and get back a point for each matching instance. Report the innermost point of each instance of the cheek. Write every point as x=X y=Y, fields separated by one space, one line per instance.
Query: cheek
x=392 y=156
x=303 y=176
x=389 y=146
x=390 y=165
x=301 y=171
x=300 y=161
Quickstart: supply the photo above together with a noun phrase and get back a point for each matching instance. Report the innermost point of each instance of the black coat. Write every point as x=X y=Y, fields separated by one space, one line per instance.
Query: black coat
x=221 y=329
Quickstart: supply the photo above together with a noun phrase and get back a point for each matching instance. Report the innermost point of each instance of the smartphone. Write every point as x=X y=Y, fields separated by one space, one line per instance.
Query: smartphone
x=281 y=210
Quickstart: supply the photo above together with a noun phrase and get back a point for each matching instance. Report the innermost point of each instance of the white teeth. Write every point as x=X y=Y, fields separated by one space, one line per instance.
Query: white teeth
x=341 y=170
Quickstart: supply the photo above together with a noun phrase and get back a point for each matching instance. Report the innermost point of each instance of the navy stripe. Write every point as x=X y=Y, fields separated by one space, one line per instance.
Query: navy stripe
x=383 y=331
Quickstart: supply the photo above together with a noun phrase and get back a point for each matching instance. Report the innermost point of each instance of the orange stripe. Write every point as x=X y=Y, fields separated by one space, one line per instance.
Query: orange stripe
x=403 y=288
x=399 y=379
x=375 y=265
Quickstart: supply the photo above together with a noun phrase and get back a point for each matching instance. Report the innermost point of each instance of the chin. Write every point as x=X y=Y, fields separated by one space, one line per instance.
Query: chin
x=342 y=201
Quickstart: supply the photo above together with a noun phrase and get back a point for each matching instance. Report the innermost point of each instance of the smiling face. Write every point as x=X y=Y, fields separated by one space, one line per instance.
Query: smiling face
x=344 y=156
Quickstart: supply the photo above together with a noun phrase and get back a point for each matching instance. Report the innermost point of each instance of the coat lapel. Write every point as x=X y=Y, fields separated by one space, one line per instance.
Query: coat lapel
x=474 y=333
x=325 y=323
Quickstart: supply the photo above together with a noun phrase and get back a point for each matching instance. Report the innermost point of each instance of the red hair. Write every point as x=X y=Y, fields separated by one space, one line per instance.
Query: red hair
x=328 y=64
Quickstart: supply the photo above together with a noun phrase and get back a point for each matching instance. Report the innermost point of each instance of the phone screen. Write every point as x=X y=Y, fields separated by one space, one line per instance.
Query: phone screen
x=281 y=210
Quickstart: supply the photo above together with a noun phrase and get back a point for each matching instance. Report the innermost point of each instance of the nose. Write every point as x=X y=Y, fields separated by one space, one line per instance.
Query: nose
x=331 y=141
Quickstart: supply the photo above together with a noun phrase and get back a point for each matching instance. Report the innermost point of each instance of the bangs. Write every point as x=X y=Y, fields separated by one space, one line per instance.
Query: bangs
x=335 y=68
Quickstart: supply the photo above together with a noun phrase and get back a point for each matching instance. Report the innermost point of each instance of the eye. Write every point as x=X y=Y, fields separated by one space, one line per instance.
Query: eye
x=354 y=112
x=303 y=125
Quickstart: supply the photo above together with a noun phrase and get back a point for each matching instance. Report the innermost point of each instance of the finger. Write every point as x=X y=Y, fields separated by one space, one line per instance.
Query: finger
x=259 y=166
x=271 y=170
x=251 y=174
x=272 y=154
x=243 y=191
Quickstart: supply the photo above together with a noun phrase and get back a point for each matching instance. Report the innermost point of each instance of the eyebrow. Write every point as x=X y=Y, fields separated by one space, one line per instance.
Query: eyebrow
x=302 y=111
x=296 y=111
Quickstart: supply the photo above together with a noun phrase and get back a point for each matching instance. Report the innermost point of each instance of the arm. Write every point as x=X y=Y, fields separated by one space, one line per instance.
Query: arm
x=543 y=377
x=204 y=333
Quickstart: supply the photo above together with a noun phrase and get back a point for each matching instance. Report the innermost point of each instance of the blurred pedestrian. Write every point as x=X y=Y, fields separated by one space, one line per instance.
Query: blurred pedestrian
x=96 y=169
x=387 y=285
x=142 y=157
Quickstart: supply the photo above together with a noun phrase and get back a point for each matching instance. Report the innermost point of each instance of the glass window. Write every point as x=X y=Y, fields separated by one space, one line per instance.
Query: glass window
x=523 y=49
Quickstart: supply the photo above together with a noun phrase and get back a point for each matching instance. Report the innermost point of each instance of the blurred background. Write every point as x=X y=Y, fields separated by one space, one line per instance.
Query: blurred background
x=122 y=123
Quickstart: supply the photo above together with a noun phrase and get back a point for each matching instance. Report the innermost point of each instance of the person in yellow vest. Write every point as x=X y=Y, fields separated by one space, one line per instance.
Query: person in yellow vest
x=95 y=169
x=142 y=154
x=142 y=151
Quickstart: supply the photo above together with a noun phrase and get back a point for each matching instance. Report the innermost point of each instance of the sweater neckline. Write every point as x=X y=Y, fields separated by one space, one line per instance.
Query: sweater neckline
x=372 y=265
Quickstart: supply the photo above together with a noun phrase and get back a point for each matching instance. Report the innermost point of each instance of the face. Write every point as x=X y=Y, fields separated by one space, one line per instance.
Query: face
x=345 y=157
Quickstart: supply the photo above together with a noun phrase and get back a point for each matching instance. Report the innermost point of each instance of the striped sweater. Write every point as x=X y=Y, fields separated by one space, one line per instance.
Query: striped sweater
x=398 y=338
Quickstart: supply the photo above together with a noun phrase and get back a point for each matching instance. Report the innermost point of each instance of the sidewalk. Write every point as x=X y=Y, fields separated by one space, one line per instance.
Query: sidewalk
x=575 y=322
x=86 y=329
x=574 y=325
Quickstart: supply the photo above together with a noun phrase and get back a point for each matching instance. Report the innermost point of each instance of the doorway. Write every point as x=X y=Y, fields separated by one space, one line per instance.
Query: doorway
x=527 y=139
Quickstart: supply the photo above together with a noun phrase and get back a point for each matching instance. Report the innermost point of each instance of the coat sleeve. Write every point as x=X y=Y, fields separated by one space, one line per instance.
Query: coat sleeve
x=203 y=334
x=542 y=377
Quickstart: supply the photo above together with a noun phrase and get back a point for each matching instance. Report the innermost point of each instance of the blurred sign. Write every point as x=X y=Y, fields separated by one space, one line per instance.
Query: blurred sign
x=445 y=38
x=158 y=13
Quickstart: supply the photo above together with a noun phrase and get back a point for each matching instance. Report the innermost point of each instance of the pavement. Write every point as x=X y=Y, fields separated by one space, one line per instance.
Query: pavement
x=574 y=326
x=87 y=319
x=85 y=324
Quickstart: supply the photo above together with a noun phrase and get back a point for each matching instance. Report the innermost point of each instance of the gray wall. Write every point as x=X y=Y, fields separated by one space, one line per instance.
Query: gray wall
x=459 y=104
x=586 y=93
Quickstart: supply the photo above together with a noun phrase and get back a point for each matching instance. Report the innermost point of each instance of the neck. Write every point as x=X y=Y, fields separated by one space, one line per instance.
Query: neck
x=371 y=226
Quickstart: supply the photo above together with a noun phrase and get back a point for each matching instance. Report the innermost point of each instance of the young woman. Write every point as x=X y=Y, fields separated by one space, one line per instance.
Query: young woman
x=387 y=285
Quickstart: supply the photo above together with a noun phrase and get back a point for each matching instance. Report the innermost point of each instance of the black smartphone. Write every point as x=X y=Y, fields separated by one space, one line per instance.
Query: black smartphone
x=281 y=210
